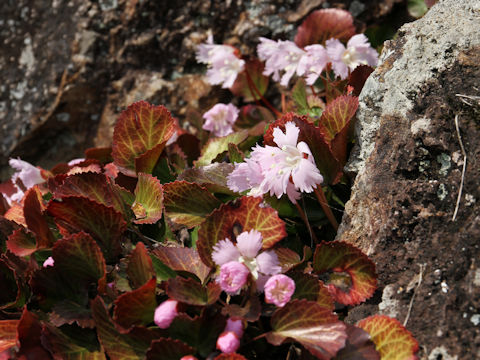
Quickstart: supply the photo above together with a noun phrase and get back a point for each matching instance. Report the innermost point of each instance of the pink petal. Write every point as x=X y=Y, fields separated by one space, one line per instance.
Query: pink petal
x=235 y=326
x=306 y=176
x=358 y=40
x=279 y=290
x=225 y=251
x=29 y=174
x=228 y=342
x=233 y=276
x=165 y=313
x=249 y=243
x=290 y=136
x=48 y=262
x=268 y=263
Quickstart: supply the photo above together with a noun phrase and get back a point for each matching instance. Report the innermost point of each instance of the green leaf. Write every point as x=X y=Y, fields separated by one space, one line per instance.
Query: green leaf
x=417 y=8
x=299 y=95
x=213 y=177
x=392 y=340
x=187 y=203
x=216 y=146
x=148 y=205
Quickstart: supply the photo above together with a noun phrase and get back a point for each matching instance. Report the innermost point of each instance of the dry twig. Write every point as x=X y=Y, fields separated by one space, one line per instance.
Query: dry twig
x=459 y=198
x=420 y=277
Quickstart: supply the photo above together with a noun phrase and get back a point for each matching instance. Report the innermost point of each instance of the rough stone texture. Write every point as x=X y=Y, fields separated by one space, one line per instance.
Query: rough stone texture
x=409 y=164
x=69 y=67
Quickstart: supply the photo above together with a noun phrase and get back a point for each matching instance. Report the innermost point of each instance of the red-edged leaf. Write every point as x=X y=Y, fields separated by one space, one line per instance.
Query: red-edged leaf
x=15 y=213
x=139 y=267
x=324 y=24
x=359 y=346
x=329 y=166
x=79 y=257
x=231 y=356
x=311 y=324
x=241 y=85
x=191 y=292
x=201 y=332
x=358 y=77
x=182 y=259
x=10 y=291
x=216 y=146
x=79 y=344
x=8 y=334
x=21 y=243
x=213 y=176
x=244 y=214
x=33 y=209
x=391 y=339
x=101 y=154
x=310 y=288
x=136 y=307
x=148 y=203
x=337 y=115
x=353 y=277
x=29 y=332
x=93 y=186
x=140 y=128
x=145 y=163
x=188 y=203
x=118 y=346
x=74 y=214
x=287 y=258
x=168 y=349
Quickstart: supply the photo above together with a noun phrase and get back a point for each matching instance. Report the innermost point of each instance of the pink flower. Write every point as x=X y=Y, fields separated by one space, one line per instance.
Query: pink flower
x=228 y=342
x=165 y=313
x=75 y=161
x=358 y=52
x=235 y=326
x=279 y=289
x=246 y=176
x=233 y=276
x=279 y=56
x=223 y=64
x=48 y=262
x=220 y=118
x=28 y=175
x=188 y=357
x=247 y=253
x=313 y=63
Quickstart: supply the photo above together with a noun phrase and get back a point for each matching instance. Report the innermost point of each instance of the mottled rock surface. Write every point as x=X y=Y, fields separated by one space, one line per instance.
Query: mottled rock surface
x=69 y=67
x=409 y=164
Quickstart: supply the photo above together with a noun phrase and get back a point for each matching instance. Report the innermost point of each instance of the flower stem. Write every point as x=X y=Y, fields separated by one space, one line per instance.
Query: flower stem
x=251 y=86
x=305 y=220
x=326 y=208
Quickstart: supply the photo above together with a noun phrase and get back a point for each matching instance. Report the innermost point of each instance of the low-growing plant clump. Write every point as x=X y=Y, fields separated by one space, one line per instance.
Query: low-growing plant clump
x=210 y=239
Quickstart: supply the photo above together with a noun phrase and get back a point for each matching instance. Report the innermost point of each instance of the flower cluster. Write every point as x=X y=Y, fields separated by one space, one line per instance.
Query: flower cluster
x=288 y=168
x=223 y=64
x=220 y=118
x=287 y=57
x=26 y=176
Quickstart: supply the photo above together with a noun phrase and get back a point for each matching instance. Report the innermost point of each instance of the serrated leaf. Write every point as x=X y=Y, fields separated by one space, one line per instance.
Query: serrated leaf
x=201 y=332
x=29 y=332
x=324 y=24
x=136 y=307
x=213 y=176
x=353 y=277
x=101 y=154
x=216 y=146
x=21 y=243
x=311 y=324
x=74 y=214
x=241 y=85
x=141 y=129
x=338 y=114
x=118 y=346
x=162 y=271
x=313 y=136
x=288 y=258
x=15 y=214
x=358 y=346
x=148 y=205
x=235 y=154
x=93 y=186
x=168 y=349
x=33 y=210
x=188 y=203
x=182 y=259
x=231 y=356
x=244 y=214
x=139 y=267
x=8 y=334
x=358 y=77
x=191 y=292
x=392 y=340
x=63 y=347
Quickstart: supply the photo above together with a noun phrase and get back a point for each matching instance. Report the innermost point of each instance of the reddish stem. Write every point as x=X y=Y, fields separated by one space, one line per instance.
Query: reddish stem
x=307 y=223
x=326 y=208
x=257 y=92
x=313 y=90
x=283 y=103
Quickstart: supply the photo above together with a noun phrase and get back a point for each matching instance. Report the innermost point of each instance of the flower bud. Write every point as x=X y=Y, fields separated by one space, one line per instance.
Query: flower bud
x=279 y=289
x=165 y=313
